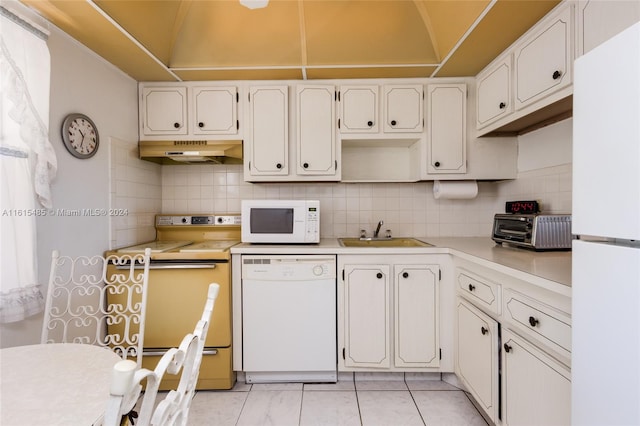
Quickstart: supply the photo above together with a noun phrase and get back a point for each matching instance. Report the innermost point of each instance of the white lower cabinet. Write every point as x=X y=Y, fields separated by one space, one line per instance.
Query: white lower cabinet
x=513 y=347
x=366 y=316
x=477 y=356
x=388 y=313
x=536 y=389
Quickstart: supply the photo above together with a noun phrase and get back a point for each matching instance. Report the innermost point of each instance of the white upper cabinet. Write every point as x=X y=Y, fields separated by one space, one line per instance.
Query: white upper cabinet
x=401 y=112
x=599 y=20
x=359 y=109
x=163 y=111
x=530 y=84
x=215 y=110
x=316 y=130
x=446 y=128
x=543 y=59
x=267 y=143
x=403 y=108
x=493 y=92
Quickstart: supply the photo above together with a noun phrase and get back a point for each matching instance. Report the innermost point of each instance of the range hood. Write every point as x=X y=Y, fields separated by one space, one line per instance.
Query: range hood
x=192 y=152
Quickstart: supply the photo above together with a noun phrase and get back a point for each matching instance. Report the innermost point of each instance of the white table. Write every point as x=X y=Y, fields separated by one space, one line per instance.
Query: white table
x=54 y=384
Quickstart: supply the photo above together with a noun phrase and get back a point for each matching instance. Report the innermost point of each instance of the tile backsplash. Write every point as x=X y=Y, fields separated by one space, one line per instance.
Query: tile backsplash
x=136 y=191
x=407 y=209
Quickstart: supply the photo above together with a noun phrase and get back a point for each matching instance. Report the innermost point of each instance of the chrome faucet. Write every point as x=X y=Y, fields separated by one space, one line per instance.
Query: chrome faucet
x=377 y=231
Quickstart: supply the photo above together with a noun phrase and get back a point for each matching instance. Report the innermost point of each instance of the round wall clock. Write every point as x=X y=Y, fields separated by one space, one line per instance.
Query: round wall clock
x=80 y=135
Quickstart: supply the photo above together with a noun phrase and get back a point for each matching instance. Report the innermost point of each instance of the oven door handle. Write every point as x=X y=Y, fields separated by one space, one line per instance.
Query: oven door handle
x=161 y=353
x=172 y=266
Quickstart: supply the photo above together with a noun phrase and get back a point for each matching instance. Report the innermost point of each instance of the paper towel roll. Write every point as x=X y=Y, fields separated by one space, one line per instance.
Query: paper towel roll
x=455 y=190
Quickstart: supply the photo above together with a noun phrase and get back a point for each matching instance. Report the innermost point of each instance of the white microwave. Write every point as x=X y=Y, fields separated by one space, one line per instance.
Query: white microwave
x=281 y=221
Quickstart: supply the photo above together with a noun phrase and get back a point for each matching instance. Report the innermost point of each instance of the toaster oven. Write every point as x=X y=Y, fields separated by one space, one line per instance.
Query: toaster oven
x=534 y=231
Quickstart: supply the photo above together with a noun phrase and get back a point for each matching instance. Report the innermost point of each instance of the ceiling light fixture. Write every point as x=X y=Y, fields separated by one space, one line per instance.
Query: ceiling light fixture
x=254 y=4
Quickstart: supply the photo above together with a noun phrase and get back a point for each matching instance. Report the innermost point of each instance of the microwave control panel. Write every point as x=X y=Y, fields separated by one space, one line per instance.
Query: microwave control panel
x=313 y=227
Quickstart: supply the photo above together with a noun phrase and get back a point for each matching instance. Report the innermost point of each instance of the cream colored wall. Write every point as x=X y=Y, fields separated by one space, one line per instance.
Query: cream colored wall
x=80 y=82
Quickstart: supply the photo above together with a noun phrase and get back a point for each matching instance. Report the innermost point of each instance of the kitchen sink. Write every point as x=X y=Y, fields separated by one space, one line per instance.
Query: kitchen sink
x=382 y=242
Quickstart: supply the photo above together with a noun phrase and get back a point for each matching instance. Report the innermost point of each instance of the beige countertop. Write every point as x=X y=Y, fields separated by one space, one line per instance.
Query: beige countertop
x=551 y=265
x=554 y=266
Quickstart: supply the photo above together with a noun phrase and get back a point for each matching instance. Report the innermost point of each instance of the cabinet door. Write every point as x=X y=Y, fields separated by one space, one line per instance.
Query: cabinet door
x=403 y=108
x=366 y=316
x=359 y=109
x=543 y=60
x=598 y=21
x=477 y=356
x=316 y=144
x=268 y=131
x=536 y=389
x=215 y=111
x=446 y=128
x=416 y=315
x=493 y=93
x=164 y=110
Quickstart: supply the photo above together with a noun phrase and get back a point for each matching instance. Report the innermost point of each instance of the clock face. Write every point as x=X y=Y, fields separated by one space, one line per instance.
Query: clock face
x=80 y=135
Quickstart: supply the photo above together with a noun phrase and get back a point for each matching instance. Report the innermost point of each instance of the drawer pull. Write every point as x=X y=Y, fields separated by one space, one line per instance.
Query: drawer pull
x=533 y=322
x=405 y=275
x=507 y=348
x=379 y=275
x=484 y=330
x=472 y=287
x=556 y=74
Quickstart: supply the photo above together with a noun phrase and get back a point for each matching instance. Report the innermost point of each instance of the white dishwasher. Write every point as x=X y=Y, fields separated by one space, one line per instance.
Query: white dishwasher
x=289 y=318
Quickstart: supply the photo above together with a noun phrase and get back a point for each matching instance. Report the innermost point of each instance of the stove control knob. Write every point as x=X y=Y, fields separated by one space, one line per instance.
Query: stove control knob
x=220 y=220
x=184 y=220
x=317 y=270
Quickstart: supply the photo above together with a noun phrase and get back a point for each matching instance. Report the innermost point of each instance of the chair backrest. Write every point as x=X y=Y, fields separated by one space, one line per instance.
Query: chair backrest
x=98 y=300
x=184 y=361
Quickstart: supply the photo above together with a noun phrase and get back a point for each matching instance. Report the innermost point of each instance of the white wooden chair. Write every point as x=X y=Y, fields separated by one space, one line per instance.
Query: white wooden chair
x=185 y=360
x=86 y=303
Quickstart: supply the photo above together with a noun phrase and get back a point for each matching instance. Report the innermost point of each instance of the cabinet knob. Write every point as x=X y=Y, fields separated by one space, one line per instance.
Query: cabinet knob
x=556 y=74
x=278 y=166
x=201 y=124
x=472 y=287
x=305 y=165
x=484 y=330
x=393 y=122
x=176 y=125
x=437 y=164
x=379 y=275
x=370 y=123
x=507 y=348
x=405 y=275
x=502 y=105
x=533 y=322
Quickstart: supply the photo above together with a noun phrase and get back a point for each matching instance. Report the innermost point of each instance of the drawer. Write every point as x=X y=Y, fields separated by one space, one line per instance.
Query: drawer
x=541 y=321
x=216 y=371
x=479 y=290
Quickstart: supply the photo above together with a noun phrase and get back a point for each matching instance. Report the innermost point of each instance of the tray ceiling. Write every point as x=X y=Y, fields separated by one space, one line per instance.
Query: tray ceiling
x=189 y=40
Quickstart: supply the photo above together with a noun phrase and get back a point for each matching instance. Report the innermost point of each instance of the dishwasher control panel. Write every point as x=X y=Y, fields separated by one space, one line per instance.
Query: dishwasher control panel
x=288 y=268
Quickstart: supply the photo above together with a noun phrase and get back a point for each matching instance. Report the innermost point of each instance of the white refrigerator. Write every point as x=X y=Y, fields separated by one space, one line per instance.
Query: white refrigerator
x=605 y=364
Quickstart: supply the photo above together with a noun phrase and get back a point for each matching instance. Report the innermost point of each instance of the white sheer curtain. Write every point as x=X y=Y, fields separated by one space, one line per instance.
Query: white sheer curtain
x=27 y=162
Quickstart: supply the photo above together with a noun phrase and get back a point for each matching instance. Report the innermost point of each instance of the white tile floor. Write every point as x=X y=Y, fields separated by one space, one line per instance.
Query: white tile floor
x=367 y=402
